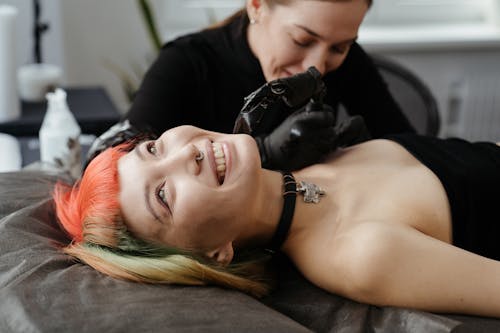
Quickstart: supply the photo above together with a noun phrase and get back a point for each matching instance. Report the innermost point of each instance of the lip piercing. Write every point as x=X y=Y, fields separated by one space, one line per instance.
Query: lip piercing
x=200 y=156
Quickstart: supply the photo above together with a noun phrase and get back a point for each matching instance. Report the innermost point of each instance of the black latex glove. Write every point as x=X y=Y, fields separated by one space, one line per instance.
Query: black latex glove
x=306 y=137
x=351 y=131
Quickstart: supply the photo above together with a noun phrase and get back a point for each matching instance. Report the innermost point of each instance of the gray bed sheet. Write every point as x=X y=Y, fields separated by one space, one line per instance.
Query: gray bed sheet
x=44 y=290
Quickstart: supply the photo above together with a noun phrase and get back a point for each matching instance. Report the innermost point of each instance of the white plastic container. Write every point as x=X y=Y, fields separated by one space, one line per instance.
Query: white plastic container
x=59 y=136
x=10 y=107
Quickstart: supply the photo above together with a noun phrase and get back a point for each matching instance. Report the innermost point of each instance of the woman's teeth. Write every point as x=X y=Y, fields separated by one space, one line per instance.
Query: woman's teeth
x=220 y=161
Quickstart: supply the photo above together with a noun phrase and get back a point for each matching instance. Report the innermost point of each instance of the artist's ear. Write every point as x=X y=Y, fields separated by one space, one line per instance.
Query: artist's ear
x=253 y=9
x=223 y=255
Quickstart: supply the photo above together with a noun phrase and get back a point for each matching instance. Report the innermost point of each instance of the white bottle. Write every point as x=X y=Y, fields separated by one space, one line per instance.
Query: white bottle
x=59 y=136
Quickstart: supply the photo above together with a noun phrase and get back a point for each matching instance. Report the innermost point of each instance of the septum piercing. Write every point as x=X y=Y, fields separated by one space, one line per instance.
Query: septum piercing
x=200 y=156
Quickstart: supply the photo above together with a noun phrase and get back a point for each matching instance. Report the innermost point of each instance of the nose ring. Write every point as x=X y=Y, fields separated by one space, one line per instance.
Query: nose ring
x=200 y=156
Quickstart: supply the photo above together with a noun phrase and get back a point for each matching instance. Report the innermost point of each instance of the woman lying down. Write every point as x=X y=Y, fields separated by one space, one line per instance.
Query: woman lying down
x=405 y=221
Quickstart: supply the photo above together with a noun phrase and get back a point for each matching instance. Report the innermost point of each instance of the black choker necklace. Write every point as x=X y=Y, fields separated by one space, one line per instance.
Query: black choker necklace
x=311 y=193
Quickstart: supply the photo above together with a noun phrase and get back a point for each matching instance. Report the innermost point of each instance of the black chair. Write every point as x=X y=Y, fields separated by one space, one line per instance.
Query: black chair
x=413 y=96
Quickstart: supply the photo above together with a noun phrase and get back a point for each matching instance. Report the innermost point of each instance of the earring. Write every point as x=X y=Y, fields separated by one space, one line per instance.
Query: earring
x=200 y=156
x=253 y=21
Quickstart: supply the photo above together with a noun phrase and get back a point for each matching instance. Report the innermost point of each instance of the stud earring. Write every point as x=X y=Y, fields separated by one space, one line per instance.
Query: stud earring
x=200 y=156
x=253 y=21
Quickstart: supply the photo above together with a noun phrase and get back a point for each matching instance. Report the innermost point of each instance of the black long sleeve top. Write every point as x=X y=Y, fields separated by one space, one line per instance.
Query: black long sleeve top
x=202 y=78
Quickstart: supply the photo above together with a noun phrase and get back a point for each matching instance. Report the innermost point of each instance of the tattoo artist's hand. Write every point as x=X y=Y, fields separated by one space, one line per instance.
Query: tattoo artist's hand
x=351 y=131
x=302 y=139
x=306 y=137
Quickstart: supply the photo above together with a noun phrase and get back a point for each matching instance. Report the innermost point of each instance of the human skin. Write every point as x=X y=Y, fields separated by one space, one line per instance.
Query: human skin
x=191 y=220
x=381 y=235
x=288 y=39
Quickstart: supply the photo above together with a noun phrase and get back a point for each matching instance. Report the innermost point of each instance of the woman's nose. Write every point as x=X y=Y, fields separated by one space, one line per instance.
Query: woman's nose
x=317 y=58
x=186 y=158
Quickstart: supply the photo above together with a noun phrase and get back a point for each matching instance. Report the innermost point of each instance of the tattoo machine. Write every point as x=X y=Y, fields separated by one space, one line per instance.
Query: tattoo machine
x=273 y=102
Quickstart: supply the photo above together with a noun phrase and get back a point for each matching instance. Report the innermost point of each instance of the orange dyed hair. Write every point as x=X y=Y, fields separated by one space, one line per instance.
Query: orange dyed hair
x=89 y=210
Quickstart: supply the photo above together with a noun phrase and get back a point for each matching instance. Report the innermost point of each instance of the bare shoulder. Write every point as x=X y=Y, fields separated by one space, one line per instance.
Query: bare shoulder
x=376 y=151
x=350 y=264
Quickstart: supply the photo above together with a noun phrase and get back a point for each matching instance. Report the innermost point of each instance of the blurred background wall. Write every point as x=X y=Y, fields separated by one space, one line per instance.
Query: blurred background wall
x=453 y=45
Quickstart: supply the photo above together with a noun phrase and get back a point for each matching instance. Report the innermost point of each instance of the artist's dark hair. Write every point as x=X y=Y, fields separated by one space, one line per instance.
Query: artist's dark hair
x=243 y=12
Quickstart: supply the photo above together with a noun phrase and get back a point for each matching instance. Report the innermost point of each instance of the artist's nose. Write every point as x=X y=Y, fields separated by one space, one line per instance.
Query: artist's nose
x=317 y=58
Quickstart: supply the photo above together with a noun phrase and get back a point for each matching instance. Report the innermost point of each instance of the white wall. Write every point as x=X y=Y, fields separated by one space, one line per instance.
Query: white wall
x=84 y=37
x=100 y=35
x=457 y=55
x=87 y=35
x=88 y=38
x=52 y=51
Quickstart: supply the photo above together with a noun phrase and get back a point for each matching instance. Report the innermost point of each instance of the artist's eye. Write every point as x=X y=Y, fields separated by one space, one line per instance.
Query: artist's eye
x=151 y=147
x=301 y=43
x=339 y=49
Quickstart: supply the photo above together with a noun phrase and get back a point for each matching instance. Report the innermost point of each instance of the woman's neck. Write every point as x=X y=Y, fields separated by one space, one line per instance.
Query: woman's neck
x=267 y=212
x=309 y=215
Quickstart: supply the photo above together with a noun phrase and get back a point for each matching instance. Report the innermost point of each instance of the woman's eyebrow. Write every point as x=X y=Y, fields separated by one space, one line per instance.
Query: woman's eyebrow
x=138 y=151
x=309 y=31
x=315 y=34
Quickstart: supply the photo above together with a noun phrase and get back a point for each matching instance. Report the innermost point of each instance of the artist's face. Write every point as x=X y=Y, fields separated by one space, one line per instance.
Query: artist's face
x=288 y=39
x=169 y=197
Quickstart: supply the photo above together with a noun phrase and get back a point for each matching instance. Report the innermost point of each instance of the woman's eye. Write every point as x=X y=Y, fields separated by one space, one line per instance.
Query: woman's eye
x=341 y=48
x=299 y=43
x=161 y=195
x=151 y=147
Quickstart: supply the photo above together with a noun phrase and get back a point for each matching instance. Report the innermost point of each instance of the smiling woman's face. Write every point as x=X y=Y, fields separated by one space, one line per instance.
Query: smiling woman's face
x=169 y=197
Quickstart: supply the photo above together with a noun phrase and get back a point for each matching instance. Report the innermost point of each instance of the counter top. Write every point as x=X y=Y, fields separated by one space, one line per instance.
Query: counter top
x=429 y=37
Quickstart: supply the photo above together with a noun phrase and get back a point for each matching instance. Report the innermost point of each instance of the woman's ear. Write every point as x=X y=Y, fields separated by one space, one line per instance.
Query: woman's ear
x=223 y=255
x=253 y=9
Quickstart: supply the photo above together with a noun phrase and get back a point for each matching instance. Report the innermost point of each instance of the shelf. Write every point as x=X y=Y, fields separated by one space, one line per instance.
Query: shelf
x=430 y=37
x=92 y=107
